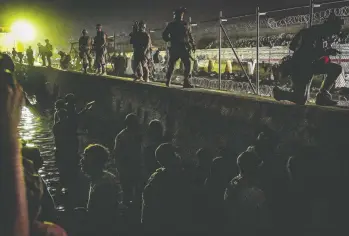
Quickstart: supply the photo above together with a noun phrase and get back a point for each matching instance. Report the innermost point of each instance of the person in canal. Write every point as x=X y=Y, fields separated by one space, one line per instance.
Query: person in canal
x=105 y=195
x=100 y=44
x=127 y=155
x=85 y=46
x=312 y=57
x=178 y=33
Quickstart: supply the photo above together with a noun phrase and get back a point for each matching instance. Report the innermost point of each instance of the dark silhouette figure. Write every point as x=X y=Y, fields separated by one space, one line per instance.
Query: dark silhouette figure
x=20 y=57
x=141 y=45
x=48 y=52
x=41 y=50
x=14 y=54
x=127 y=154
x=178 y=33
x=65 y=60
x=311 y=57
x=155 y=138
x=100 y=46
x=30 y=56
x=167 y=197
x=85 y=46
x=246 y=208
x=48 y=208
x=105 y=195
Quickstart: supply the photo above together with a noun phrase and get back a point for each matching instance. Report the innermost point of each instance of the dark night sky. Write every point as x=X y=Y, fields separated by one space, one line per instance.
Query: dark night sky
x=65 y=18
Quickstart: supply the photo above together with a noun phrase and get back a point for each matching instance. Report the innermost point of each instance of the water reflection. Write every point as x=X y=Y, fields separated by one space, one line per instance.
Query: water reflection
x=37 y=132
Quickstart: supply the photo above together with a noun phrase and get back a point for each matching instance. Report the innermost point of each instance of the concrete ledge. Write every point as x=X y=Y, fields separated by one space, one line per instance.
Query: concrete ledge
x=195 y=117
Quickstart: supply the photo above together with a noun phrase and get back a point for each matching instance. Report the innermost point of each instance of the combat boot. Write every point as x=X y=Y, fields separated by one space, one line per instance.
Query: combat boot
x=187 y=84
x=324 y=98
x=103 y=71
x=168 y=83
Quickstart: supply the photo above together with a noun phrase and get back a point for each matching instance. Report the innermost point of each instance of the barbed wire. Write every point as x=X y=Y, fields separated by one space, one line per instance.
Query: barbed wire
x=318 y=17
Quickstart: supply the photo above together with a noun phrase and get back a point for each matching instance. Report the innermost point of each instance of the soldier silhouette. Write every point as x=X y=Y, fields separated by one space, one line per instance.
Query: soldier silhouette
x=30 y=56
x=100 y=44
x=311 y=57
x=178 y=33
x=141 y=44
x=85 y=46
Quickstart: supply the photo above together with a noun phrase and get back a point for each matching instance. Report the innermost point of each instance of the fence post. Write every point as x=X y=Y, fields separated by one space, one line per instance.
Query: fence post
x=220 y=51
x=257 y=51
x=311 y=13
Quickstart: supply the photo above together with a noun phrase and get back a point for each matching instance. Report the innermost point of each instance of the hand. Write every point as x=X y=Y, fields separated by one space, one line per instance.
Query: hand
x=11 y=101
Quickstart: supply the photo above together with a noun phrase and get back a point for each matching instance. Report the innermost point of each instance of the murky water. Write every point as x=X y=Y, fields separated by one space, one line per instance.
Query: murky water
x=37 y=131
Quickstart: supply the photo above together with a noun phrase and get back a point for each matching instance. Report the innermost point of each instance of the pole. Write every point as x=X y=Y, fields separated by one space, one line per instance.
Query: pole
x=257 y=51
x=220 y=51
x=237 y=58
x=114 y=42
x=311 y=13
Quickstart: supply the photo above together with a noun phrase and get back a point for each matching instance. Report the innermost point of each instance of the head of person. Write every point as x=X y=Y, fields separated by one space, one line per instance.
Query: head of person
x=30 y=47
x=205 y=157
x=99 y=28
x=178 y=14
x=47 y=41
x=34 y=155
x=266 y=144
x=131 y=122
x=94 y=160
x=84 y=32
x=167 y=157
x=142 y=26
x=59 y=104
x=62 y=115
x=249 y=163
x=333 y=24
x=155 y=130
x=61 y=53
x=70 y=101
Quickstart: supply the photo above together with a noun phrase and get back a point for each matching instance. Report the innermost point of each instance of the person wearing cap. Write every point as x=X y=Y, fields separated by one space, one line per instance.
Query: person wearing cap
x=100 y=46
x=141 y=44
x=48 y=52
x=178 y=33
x=312 y=57
x=85 y=46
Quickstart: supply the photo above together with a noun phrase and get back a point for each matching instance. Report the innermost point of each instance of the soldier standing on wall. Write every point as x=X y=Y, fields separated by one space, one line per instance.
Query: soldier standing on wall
x=178 y=33
x=85 y=45
x=100 y=44
x=30 y=56
x=41 y=54
x=48 y=52
x=312 y=56
x=141 y=44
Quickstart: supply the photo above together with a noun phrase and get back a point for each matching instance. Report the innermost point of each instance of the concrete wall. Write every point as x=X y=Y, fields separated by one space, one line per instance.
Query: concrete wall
x=197 y=118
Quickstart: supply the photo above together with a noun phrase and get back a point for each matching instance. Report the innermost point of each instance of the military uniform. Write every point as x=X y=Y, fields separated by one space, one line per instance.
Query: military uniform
x=85 y=45
x=311 y=57
x=100 y=43
x=178 y=33
x=30 y=56
x=141 y=44
x=48 y=52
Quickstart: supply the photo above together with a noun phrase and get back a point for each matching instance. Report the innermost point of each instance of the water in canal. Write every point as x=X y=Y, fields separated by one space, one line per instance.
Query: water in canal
x=37 y=131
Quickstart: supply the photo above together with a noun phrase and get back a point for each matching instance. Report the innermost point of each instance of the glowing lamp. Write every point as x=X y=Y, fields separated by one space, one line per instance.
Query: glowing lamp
x=23 y=31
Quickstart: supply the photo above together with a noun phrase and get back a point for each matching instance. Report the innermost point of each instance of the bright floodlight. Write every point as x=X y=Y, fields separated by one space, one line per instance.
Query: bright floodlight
x=23 y=31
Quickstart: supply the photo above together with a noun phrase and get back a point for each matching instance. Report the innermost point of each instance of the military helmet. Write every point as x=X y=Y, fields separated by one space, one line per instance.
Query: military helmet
x=84 y=31
x=179 y=11
x=98 y=26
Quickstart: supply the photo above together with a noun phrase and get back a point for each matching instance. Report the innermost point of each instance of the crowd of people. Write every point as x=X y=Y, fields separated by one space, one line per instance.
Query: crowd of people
x=143 y=186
